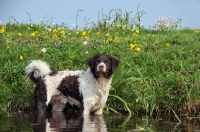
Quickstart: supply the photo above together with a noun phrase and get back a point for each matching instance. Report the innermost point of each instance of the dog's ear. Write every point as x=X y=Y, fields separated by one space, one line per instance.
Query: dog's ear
x=91 y=65
x=115 y=64
x=90 y=62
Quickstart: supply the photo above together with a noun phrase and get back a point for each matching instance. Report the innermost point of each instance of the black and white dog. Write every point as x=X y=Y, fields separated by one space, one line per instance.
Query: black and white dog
x=88 y=90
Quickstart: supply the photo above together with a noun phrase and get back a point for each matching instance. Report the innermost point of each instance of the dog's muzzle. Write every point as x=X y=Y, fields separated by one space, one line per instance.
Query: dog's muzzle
x=101 y=68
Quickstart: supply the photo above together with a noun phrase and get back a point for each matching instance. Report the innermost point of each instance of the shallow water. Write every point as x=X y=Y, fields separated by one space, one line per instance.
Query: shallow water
x=65 y=122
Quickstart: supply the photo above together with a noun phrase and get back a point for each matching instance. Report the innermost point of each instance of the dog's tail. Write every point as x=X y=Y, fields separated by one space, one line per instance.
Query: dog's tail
x=37 y=69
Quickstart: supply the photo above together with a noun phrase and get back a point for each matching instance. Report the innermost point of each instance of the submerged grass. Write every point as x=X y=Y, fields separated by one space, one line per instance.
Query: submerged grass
x=159 y=68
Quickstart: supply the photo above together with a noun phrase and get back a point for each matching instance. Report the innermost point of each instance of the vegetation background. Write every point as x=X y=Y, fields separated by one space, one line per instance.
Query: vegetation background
x=159 y=70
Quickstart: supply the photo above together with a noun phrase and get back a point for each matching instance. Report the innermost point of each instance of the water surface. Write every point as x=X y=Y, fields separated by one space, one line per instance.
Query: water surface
x=68 y=122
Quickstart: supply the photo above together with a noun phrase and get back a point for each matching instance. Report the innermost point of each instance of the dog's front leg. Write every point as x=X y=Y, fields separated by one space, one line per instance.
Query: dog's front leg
x=86 y=108
x=41 y=107
x=86 y=111
x=99 y=111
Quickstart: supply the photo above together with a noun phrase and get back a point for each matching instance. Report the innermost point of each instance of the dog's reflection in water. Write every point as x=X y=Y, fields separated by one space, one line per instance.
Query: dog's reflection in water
x=64 y=122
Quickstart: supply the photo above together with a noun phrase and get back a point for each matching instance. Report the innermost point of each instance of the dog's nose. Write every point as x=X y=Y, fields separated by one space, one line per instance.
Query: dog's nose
x=101 y=66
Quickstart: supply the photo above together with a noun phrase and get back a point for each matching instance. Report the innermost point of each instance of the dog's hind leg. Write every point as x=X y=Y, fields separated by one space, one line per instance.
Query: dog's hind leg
x=57 y=103
x=40 y=97
x=41 y=107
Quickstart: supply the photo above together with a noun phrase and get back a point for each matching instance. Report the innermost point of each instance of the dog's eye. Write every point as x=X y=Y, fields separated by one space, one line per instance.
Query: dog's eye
x=98 y=61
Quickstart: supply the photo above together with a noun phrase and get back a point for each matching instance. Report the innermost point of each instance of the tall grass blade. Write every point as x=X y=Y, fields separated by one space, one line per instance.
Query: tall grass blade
x=124 y=102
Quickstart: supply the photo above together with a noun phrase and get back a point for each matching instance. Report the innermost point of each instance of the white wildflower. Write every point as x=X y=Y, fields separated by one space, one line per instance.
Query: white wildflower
x=47 y=28
x=53 y=24
x=162 y=23
x=85 y=43
x=41 y=20
x=43 y=50
x=110 y=21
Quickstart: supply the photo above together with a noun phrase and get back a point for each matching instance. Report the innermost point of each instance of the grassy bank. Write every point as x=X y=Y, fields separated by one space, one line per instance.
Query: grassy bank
x=159 y=69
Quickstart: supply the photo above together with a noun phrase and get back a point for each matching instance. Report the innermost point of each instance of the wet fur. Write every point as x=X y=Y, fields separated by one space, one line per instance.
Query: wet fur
x=88 y=89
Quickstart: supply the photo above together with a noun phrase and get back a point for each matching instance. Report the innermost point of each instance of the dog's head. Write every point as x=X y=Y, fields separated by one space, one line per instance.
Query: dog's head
x=102 y=64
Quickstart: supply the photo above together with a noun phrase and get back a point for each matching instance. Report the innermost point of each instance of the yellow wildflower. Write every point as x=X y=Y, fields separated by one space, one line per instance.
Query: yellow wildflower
x=7 y=41
x=62 y=31
x=84 y=33
x=138 y=49
x=154 y=35
x=63 y=36
x=137 y=31
x=141 y=129
x=55 y=36
x=21 y=57
x=19 y=34
x=55 y=30
x=132 y=46
x=107 y=34
x=148 y=34
x=135 y=34
x=197 y=31
x=86 y=37
x=43 y=32
x=3 y=29
x=33 y=34
x=116 y=40
x=38 y=52
x=155 y=42
x=8 y=47
x=98 y=33
x=167 y=44
x=105 y=41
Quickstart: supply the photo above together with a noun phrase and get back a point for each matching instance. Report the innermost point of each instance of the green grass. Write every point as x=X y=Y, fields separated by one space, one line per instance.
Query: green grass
x=159 y=69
